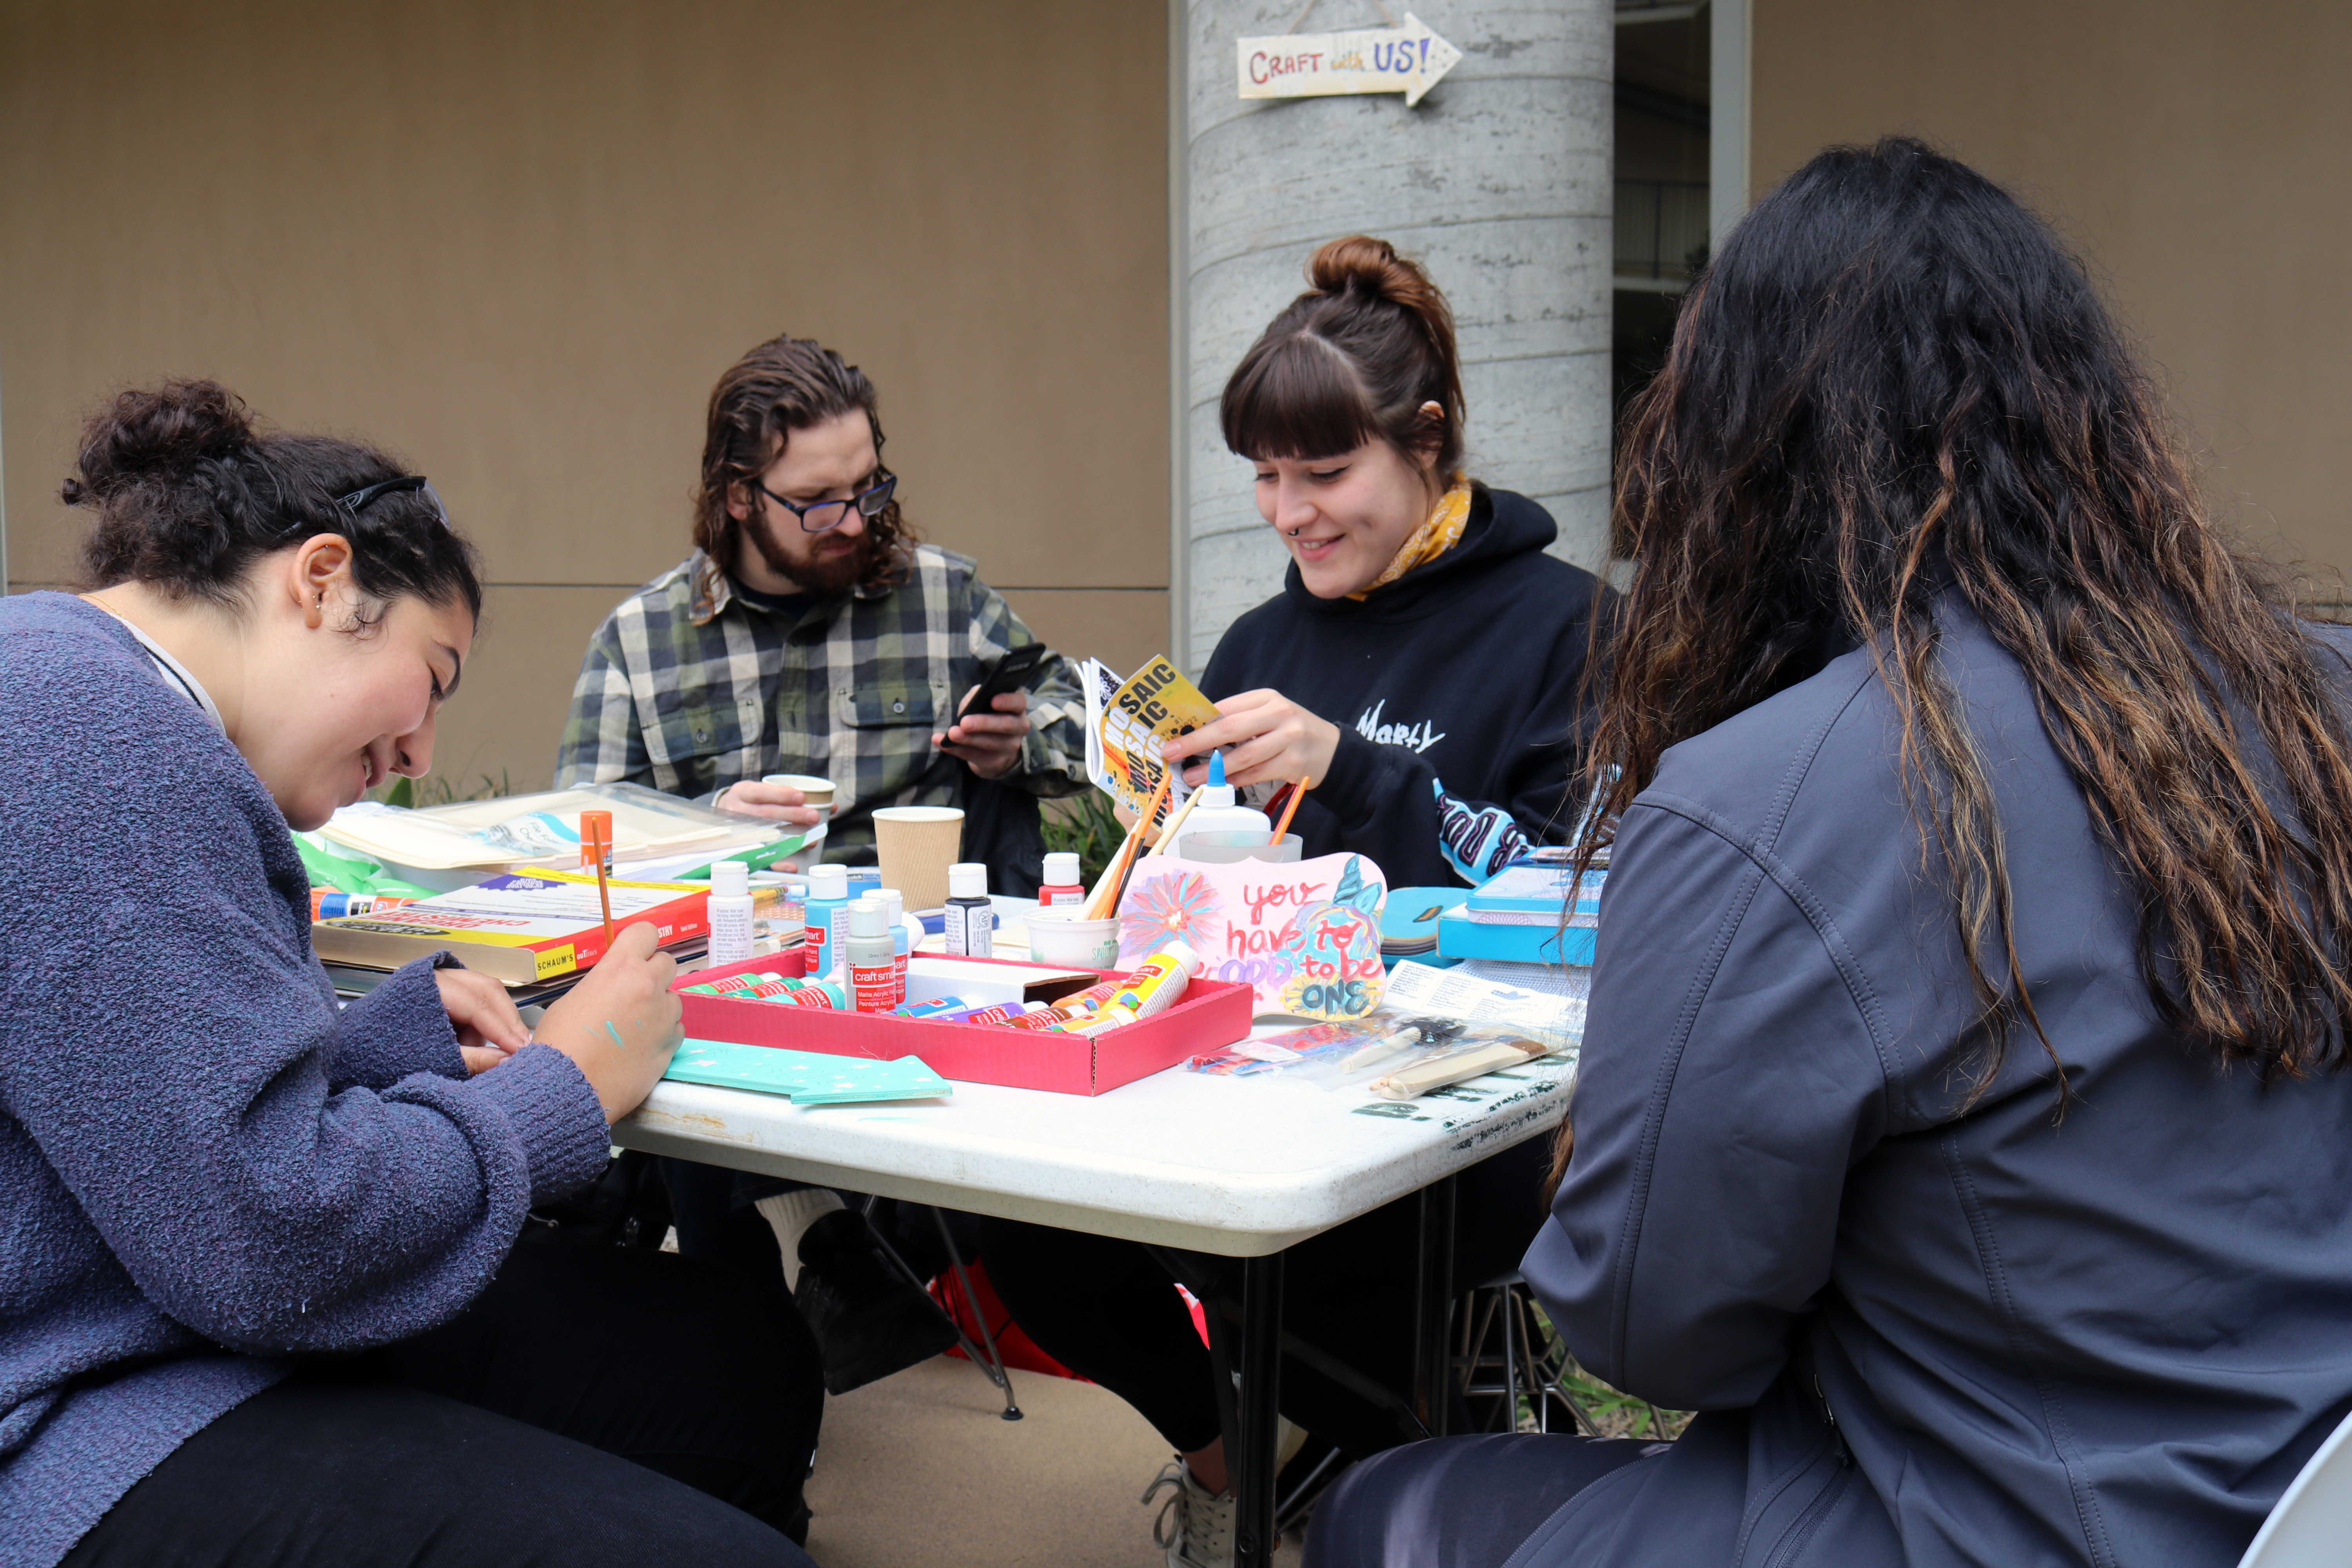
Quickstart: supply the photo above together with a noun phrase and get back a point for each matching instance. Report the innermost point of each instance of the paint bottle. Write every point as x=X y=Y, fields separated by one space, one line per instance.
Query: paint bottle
x=972 y=918
x=326 y=904
x=1061 y=885
x=1216 y=810
x=864 y=880
x=873 y=966
x=938 y=1007
x=902 y=943
x=816 y=994
x=1158 y=983
x=828 y=900
x=731 y=912
x=782 y=920
x=731 y=985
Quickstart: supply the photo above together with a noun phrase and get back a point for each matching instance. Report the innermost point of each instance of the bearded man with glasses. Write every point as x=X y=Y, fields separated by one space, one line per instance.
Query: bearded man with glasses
x=810 y=632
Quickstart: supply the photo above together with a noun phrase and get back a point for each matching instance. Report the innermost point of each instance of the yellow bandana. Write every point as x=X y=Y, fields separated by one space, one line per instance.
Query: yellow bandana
x=1433 y=539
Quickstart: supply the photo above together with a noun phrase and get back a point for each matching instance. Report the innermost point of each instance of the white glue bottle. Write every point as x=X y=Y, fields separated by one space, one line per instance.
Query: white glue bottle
x=1216 y=810
x=731 y=912
x=971 y=918
x=904 y=933
x=873 y=968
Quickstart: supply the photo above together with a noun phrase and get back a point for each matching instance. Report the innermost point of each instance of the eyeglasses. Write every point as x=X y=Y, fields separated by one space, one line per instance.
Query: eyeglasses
x=824 y=516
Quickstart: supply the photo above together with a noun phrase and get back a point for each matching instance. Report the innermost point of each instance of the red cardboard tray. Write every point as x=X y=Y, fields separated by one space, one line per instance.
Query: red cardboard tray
x=1212 y=1013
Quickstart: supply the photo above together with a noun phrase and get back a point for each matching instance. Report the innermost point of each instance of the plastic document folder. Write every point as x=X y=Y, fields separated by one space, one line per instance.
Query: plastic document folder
x=806 y=1077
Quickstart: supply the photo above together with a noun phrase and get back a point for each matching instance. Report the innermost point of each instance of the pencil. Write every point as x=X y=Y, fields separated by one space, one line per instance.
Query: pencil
x=1115 y=875
x=596 y=843
x=1305 y=784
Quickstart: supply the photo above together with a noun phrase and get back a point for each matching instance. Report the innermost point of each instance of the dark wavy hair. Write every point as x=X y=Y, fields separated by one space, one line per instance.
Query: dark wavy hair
x=1893 y=384
x=191 y=491
x=784 y=385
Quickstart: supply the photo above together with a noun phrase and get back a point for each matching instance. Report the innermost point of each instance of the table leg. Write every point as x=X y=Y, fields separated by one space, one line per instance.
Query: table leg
x=1261 y=1395
x=1431 y=1362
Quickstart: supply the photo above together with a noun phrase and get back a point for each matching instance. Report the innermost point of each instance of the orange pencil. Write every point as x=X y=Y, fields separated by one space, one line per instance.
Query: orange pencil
x=1114 y=876
x=1292 y=809
x=595 y=845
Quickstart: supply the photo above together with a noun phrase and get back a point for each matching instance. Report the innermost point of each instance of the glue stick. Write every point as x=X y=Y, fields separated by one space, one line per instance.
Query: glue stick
x=326 y=904
x=1158 y=982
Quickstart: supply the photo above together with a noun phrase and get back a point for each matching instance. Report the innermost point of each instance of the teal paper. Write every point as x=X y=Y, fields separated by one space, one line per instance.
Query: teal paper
x=806 y=1077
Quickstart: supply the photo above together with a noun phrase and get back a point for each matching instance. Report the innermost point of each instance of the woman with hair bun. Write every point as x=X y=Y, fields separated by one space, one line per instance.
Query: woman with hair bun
x=264 y=1303
x=1423 y=667
x=1423 y=662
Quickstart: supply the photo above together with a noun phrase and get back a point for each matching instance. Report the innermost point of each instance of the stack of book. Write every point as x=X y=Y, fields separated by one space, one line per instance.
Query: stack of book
x=533 y=932
x=1524 y=916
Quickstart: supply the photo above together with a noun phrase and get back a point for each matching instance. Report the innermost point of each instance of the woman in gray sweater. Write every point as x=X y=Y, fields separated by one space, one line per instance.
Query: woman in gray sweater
x=1962 y=1126
x=257 y=1302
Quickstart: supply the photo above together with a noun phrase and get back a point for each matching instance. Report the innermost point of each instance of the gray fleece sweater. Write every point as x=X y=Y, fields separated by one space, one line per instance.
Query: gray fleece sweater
x=206 y=1170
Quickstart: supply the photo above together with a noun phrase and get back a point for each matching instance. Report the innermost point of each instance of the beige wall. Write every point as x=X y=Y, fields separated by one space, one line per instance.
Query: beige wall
x=519 y=241
x=2198 y=155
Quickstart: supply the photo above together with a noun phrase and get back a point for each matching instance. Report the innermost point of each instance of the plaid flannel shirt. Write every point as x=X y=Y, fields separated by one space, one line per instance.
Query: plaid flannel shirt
x=852 y=691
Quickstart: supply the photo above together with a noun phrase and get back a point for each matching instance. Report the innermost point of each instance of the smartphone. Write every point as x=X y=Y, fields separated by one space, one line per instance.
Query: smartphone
x=1012 y=673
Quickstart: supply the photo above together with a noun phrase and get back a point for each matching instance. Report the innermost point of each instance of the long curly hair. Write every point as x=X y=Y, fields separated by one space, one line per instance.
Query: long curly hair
x=1894 y=383
x=784 y=385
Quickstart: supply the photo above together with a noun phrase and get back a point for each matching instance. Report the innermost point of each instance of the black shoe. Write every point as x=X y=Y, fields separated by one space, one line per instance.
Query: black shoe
x=870 y=1321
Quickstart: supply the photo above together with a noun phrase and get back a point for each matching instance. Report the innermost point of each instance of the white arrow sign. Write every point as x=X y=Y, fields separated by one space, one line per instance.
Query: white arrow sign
x=1409 y=60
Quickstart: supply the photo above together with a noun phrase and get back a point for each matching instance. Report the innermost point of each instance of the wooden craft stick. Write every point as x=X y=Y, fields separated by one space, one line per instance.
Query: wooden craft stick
x=1168 y=834
x=1414 y=1079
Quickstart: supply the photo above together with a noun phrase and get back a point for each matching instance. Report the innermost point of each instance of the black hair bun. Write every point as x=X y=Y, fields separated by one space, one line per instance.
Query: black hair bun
x=164 y=429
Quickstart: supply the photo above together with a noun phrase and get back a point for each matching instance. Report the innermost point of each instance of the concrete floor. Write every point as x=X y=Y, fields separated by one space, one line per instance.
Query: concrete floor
x=920 y=1468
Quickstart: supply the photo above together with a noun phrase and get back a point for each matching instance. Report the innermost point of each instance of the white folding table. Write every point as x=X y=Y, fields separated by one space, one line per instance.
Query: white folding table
x=1239 y=1167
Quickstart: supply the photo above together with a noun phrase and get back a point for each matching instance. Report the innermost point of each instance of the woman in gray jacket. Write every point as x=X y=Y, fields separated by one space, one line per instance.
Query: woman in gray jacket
x=1961 y=1128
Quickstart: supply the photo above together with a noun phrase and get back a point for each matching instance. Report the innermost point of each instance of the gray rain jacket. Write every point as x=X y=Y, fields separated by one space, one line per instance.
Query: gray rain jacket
x=1921 y=1332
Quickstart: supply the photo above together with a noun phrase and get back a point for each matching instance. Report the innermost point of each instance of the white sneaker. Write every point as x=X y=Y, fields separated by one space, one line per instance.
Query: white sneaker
x=1195 y=1526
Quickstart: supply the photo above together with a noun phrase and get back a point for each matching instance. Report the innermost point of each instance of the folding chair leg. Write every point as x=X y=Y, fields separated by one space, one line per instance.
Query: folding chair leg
x=1000 y=1377
x=990 y=1366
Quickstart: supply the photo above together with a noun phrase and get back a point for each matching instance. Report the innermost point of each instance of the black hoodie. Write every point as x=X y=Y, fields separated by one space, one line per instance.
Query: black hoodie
x=1455 y=691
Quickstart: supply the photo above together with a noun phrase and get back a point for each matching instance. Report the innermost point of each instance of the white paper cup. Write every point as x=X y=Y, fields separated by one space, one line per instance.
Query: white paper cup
x=1059 y=936
x=814 y=791
x=916 y=844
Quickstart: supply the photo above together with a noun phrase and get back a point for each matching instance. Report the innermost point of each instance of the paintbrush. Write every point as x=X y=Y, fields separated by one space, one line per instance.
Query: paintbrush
x=1114 y=878
x=1168 y=834
x=595 y=844
x=1305 y=784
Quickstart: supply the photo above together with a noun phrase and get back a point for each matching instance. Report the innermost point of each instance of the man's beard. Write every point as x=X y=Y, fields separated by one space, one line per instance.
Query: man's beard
x=824 y=575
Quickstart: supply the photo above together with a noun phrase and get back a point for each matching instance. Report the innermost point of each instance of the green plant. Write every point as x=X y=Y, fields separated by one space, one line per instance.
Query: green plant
x=1083 y=825
x=1600 y=1407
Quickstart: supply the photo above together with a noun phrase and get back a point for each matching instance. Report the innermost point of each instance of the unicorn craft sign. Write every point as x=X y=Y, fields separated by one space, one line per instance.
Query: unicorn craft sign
x=1306 y=936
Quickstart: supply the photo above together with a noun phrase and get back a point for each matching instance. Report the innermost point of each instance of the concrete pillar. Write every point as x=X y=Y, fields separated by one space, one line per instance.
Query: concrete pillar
x=1499 y=181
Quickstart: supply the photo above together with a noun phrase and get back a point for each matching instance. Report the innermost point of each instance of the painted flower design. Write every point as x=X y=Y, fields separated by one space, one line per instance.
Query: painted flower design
x=1186 y=907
